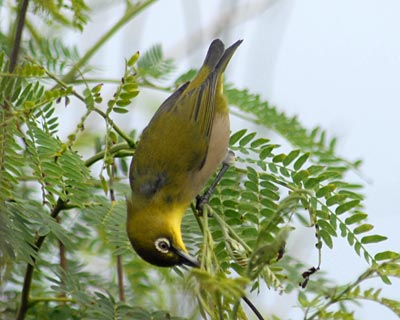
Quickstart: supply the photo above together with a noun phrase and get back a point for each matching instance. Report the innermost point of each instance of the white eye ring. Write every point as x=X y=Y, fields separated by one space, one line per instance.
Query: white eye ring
x=163 y=245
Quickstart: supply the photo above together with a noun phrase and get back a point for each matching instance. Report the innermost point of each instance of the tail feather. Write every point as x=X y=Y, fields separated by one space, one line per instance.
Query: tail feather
x=226 y=57
x=214 y=54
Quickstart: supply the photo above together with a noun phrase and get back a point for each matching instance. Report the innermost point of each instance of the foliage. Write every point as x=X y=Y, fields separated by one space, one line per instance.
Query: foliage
x=62 y=224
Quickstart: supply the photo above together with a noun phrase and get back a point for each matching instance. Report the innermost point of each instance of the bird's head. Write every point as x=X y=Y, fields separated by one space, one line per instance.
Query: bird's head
x=156 y=235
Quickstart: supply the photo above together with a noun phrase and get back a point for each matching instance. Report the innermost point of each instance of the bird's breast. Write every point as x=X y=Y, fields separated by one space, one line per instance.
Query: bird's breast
x=216 y=152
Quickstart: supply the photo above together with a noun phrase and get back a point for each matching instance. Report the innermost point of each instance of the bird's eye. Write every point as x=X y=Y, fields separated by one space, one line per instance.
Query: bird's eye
x=163 y=245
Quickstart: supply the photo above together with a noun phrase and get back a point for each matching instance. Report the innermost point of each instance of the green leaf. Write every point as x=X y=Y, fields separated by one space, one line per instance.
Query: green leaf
x=259 y=142
x=300 y=176
x=386 y=255
x=329 y=175
x=290 y=157
x=347 y=206
x=265 y=183
x=284 y=172
x=324 y=214
x=266 y=152
x=363 y=228
x=355 y=218
x=373 y=239
x=326 y=237
x=250 y=185
x=279 y=158
x=300 y=161
x=314 y=169
x=351 y=194
x=230 y=204
x=153 y=64
x=326 y=226
x=272 y=167
x=128 y=95
x=310 y=183
x=123 y=103
x=269 y=203
x=343 y=229
x=326 y=190
x=246 y=139
x=236 y=136
x=357 y=247
x=302 y=298
x=335 y=199
x=270 y=194
x=350 y=238
x=120 y=110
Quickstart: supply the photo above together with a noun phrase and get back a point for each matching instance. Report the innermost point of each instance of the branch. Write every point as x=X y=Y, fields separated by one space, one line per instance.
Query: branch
x=18 y=35
x=114 y=150
x=23 y=308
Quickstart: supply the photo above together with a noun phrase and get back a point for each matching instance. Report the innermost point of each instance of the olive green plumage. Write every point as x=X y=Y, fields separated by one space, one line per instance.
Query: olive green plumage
x=179 y=150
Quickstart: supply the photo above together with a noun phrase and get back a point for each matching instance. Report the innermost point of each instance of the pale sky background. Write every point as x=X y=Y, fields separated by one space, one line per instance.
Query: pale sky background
x=333 y=63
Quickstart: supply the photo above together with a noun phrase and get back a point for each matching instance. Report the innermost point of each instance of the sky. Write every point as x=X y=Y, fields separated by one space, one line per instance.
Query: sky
x=334 y=64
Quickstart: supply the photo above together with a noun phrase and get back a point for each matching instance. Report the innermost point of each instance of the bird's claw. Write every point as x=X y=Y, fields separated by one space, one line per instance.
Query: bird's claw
x=201 y=201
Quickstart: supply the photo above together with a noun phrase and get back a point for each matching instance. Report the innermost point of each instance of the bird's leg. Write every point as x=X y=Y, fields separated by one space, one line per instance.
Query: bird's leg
x=226 y=163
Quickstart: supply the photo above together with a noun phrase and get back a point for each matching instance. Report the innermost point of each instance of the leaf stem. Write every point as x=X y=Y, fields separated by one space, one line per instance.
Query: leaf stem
x=115 y=149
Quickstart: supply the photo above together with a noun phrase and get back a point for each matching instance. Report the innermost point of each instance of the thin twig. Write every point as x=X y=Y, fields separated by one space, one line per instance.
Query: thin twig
x=253 y=308
x=63 y=258
x=120 y=275
x=114 y=150
x=18 y=35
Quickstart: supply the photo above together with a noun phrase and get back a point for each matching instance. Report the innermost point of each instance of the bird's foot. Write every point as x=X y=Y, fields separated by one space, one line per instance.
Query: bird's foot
x=204 y=199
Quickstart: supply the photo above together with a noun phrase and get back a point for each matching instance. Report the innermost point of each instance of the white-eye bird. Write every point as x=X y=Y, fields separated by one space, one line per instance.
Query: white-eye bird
x=179 y=150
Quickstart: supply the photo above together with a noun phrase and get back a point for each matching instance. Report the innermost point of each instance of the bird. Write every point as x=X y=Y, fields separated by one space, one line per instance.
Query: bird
x=178 y=152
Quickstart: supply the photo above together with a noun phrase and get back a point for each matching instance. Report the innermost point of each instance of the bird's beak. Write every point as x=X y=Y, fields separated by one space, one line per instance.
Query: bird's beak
x=187 y=259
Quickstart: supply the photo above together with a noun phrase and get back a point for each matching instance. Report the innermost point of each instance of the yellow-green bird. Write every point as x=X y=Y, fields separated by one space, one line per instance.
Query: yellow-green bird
x=179 y=150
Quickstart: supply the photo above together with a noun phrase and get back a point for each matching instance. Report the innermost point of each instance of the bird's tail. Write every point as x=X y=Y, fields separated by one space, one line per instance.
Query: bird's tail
x=216 y=60
x=226 y=57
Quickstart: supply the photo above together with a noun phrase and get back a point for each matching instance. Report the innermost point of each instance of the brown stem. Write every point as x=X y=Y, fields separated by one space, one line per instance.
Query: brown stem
x=63 y=258
x=23 y=308
x=120 y=275
x=18 y=35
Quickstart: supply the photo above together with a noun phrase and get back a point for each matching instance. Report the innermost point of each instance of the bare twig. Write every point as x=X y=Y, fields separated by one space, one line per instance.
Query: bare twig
x=18 y=35
x=120 y=275
x=63 y=258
